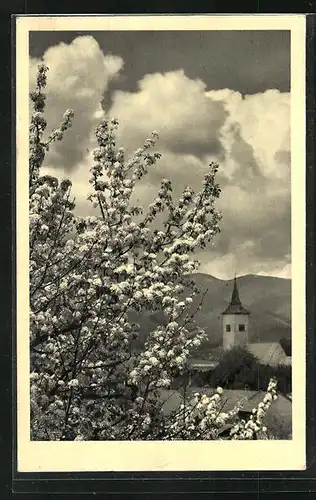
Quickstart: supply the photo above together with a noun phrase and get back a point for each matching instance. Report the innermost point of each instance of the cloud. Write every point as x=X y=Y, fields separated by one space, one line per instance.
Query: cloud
x=255 y=177
x=250 y=138
x=248 y=135
x=255 y=180
x=225 y=266
x=177 y=107
x=257 y=130
x=79 y=73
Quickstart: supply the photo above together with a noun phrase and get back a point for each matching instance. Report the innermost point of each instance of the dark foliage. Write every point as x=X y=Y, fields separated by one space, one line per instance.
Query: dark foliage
x=282 y=373
x=236 y=367
x=239 y=369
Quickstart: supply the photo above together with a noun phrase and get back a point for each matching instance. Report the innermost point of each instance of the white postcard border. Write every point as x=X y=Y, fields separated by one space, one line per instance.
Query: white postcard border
x=163 y=455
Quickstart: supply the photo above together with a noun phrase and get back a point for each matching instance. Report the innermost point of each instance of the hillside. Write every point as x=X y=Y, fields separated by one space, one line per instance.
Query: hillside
x=267 y=298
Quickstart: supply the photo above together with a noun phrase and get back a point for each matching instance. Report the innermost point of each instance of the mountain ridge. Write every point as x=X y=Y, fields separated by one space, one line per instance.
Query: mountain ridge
x=267 y=298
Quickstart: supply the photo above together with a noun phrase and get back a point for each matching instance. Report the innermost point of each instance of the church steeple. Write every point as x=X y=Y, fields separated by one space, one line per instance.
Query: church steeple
x=235 y=306
x=235 y=320
x=235 y=300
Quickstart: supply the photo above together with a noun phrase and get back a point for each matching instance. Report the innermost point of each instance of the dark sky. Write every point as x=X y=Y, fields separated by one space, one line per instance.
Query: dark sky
x=246 y=61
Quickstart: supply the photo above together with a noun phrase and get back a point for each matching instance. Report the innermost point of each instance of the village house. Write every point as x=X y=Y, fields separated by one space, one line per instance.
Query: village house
x=235 y=331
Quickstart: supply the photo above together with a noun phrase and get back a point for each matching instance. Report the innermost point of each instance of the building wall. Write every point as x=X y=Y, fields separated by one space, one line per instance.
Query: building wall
x=234 y=336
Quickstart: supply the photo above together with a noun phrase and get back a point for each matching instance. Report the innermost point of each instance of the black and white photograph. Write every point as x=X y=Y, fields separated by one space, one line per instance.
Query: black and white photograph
x=159 y=253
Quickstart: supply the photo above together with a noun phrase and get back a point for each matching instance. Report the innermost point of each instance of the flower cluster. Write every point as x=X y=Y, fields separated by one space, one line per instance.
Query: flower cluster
x=202 y=417
x=255 y=427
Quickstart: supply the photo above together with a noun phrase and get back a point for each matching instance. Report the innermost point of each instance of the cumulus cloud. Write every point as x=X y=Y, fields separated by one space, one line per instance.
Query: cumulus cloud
x=255 y=174
x=79 y=73
x=256 y=133
x=187 y=120
x=248 y=135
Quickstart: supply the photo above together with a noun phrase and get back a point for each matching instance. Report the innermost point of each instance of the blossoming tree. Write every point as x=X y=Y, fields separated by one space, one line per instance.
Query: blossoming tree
x=87 y=274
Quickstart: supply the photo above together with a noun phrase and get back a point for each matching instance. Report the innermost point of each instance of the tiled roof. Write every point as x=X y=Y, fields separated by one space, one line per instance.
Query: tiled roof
x=268 y=353
x=230 y=397
x=170 y=400
x=282 y=407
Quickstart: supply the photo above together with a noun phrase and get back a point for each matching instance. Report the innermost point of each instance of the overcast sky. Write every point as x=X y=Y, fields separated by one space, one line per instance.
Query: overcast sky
x=221 y=95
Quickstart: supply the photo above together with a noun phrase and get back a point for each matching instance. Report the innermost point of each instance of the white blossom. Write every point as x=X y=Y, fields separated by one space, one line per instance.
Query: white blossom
x=73 y=383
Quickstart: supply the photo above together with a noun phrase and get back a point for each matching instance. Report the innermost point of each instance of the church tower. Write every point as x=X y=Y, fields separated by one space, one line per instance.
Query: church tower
x=235 y=320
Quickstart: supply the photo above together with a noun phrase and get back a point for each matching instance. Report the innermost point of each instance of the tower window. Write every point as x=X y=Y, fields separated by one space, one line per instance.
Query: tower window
x=242 y=328
x=227 y=328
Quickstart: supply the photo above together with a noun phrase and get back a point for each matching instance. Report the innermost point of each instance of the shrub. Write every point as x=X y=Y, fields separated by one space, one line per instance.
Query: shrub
x=235 y=370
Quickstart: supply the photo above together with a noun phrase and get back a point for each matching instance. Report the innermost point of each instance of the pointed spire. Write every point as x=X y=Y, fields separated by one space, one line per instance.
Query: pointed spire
x=235 y=306
x=235 y=300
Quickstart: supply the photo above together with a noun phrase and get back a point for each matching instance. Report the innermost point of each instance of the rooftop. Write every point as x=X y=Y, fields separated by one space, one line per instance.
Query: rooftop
x=203 y=364
x=281 y=407
x=269 y=353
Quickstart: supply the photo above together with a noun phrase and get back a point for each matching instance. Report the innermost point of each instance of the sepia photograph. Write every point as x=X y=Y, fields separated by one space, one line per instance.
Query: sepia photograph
x=157 y=237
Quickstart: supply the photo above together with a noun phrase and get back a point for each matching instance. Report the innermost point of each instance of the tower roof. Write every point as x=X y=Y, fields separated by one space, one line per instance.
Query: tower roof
x=235 y=306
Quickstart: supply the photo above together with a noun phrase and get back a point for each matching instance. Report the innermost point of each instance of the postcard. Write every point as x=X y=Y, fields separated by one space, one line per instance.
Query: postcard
x=160 y=242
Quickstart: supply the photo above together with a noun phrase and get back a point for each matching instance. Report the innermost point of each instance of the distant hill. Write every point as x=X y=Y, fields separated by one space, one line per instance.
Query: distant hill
x=267 y=298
